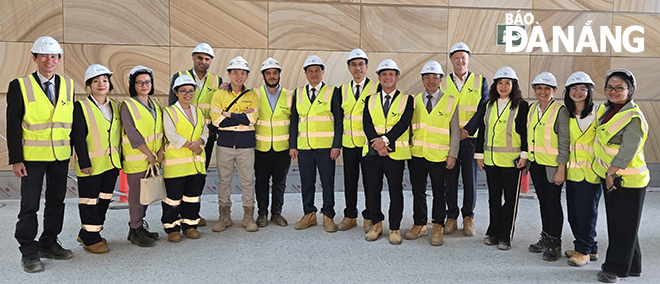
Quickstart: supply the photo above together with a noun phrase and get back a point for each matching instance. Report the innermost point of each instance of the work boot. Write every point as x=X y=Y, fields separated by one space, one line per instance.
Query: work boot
x=375 y=232
x=416 y=232
x=277 y=219
x=607 y=277
x=174 y=237
x=152 y=235
x=468 y=227
x=541 y=245
x=450 y=226
x=55 y=251
x=553 y=251
x=347 y=224
x=248 y=219
x=306 y=221
x=202 y=222
x=31 y=263
x=578 y=259
x=78 y=239
x=97 y=248
x=491 y=241
x=592 y=256
x=329 y=224
x=504 y=245
x=225 y=219
x=262 y=220
x=395 y=237
x=436 y=235
x=140 y=237
x=367 y=225
x=191 y=233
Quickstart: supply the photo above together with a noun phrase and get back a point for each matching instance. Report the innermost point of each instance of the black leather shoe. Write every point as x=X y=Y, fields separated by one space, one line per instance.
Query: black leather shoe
x=262 y=221
x=541 y=245
x=152 y=235
x=607 y=277
x=56 y=251
x=31 y=263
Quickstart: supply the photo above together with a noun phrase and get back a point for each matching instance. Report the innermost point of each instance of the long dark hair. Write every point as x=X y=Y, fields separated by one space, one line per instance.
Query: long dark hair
x=570 y=104
x=515 y=96
x=132 y=79
x=629 y=82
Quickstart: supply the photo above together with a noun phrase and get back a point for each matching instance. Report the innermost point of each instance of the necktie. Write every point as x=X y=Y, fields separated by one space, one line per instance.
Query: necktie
x=386 y=105
x=312 y=96
x=429 y=105
x=357 y=91
x=48 y=93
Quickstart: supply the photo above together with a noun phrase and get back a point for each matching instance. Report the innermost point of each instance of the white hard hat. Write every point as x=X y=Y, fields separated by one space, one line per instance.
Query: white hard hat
x=46 y=45
x=388 y=64
x=204 y=48
x=505 y=72
x=357 y=54
x=138 y=69
x=238 y=63
x=579 y=78
x=270 y=63
x=313 y=60
x=628 y=73
x=96 y=70
x=183 y=80
x=432 y=67
x=459 y=46
x=545 y=78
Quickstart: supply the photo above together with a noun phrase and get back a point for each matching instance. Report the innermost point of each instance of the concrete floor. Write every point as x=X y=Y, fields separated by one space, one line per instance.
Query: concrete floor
x=285 y=255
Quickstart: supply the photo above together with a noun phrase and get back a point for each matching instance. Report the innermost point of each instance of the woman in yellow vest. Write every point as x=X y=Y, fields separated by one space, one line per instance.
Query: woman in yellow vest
x=583 y=188
x=619 y=162
x=142 y=147
x=547 y=141
x=96 y=137
x=502 y=152
x=184 y=166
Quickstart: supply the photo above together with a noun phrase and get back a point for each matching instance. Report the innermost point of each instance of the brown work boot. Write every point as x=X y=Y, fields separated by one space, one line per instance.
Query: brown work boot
x=262 y=220
x=98 y=248
x=202 y=222
x=570 y=253
x=468 y=227
x=367 y=225
x=395 y=237
x=578 y=259
x=78 y=239
x=329 y=224
x=450 y=226
x=248 y=219
x=347 y=224
x=436 y=235
x=191 y=233
x=225 y=219
x=277 y=219
x=375 y=232
x=306 y=221
x=416 y=232
x=174 y=237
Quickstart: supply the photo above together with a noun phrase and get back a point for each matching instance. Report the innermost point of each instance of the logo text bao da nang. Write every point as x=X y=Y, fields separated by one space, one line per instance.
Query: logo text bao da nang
x=517 y=39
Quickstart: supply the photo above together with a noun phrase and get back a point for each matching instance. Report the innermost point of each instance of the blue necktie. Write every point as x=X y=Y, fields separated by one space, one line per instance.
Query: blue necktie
x=386 y=105
x=48 y=94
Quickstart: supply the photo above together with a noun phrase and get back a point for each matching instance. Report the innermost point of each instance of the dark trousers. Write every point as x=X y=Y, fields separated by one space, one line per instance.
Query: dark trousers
x=352 y=165
x=419 y=169
x=210 y=144
x=374 y=168
x=549 y=195
x=269 y=165
x=467 y=167
x=308 y=162
x=98 y=189
x=502 y=181
x=624 y=212
x=31 y=187
x=181 y=207
x=582 y=206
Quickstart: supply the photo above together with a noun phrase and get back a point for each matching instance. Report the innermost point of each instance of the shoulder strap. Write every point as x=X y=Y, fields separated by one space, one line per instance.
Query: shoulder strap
x=236 y=99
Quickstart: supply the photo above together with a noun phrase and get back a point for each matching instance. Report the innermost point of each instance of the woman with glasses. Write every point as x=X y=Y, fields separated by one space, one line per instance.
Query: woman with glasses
x=184 y=166
x=619 y=162
x=142 y=146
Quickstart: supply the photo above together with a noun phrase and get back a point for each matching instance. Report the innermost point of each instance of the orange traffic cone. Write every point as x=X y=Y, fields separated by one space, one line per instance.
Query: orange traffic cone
x=123 y=187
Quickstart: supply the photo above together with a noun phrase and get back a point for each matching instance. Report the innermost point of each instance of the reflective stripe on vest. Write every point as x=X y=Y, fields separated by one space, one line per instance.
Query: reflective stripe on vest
x=183 y=162
x=353 y=136
x=204 y=94
x=151 y=130
x=502 y=144
x=581 y=153
x=383 y=124
x=103 y=138
x=316 y=127
x=272 y=127
x=46 y=127
x=468 y=98
x=430 y=131
x=542 y=140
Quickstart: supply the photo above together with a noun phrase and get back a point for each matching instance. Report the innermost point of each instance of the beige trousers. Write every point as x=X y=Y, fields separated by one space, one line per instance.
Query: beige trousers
x=242 y=160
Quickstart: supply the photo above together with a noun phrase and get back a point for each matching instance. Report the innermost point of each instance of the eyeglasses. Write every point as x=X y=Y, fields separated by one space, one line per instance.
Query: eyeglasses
x=358 y=64
x=618 y=89
x=145 y=83
x=186 y=93
x=581 y=90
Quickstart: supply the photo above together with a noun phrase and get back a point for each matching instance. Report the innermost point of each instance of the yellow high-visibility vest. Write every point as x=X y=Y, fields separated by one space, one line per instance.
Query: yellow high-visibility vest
x=46 y=127
x=468 y=98
x=103 y=138
x=183 y=162
x=353 y=136
x=151 y=130
x=272 y=127
x=578 y=167
x=382 y=124
x=636 y=174
x=204 y=94
x=430 y=131
x=542 y=139
x=316 y=126
x=502 y=144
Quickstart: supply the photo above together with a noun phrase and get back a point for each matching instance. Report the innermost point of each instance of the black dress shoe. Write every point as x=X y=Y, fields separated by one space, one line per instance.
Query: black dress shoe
x=31 y=263
x=607 y=277
x=56 y=251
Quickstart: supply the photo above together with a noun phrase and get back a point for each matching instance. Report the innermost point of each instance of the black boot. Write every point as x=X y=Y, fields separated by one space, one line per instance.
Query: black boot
x=55 y=251
x=140 y=237
x=31 y=263
x=152 y=235
x=541 y=245
x=553 y=251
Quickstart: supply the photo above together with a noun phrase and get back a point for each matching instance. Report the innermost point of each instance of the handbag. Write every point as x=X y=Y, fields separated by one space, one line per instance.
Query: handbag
x=152 y=187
